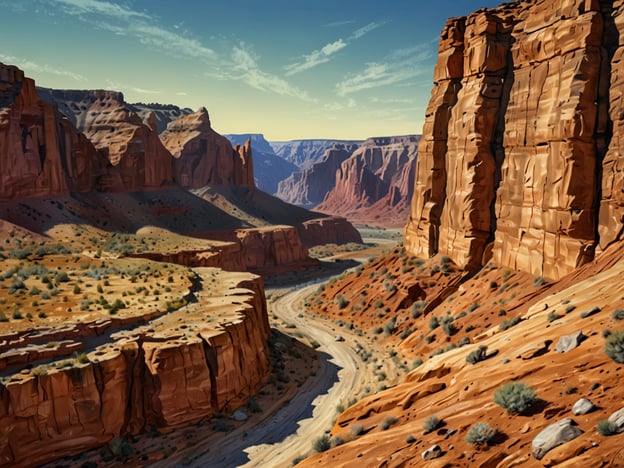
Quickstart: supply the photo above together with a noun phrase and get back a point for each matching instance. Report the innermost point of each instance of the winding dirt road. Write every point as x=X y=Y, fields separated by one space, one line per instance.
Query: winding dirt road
x=289 y=433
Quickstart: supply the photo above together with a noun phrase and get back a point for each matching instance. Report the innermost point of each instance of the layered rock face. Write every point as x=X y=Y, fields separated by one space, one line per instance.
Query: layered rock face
x=308 y=187
x=372 y=181
x=204 y=157
x=135 y=157
x=269 y=168
x=41 y=153
x=163 y=113
x=142 y=379
x=513 y=151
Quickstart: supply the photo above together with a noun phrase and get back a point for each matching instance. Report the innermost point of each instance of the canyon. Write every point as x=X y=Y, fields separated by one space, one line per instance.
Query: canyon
x=509 y=275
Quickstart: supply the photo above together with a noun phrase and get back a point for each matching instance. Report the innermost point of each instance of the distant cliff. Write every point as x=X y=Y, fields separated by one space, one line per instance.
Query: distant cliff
x=309 y=186
x=520 y=158
x=269 y=169
x=374 y=185
x=304 y=153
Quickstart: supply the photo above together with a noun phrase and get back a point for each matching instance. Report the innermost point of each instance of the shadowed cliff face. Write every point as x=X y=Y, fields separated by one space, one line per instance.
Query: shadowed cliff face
x=519 y=159
x=41 y=153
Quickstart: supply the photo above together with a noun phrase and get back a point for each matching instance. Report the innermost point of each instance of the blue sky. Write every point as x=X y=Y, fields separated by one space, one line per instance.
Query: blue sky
x=290 y=69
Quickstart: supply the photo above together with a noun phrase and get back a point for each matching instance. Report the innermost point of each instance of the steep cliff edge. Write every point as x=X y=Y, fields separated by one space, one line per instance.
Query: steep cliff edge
x=373 y=185
x=512 y=158
x=204 y=157
x=135 y=157
x=158 y=375
x=41 y=153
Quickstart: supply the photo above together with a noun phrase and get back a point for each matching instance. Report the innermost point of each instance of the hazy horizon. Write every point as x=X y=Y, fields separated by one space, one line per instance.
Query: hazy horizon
x=289 y=70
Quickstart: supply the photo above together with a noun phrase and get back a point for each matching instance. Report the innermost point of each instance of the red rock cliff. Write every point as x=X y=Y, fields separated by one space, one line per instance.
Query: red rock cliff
x=151 y=376
x=370 y=185
x=203 y=157
x=512 y=162
x=41 y=153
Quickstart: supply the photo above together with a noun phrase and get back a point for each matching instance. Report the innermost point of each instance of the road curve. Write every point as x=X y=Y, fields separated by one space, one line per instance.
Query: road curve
x=279 y=439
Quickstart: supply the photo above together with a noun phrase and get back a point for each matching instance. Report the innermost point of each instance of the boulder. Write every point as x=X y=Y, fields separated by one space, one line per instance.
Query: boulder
x=583 y=406
x=569 y=342
x=435 y=451
x=554 y=435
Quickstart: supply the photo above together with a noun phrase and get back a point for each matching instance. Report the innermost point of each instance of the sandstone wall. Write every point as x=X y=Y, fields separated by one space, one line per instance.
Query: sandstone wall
x=143 y=378
x=41 y=153
x=203 y=157
x=515 y=134
x=330 y=230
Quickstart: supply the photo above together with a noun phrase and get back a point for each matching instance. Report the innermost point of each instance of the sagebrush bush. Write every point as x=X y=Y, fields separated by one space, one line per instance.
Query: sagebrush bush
x=477 y=355
x=356 y=430
x=431 y=424
x=618 y=314
x=322 y=444
x=387 y=422
x=515 y=397
x=606 y=427
x=481 y=433
x=614 y=346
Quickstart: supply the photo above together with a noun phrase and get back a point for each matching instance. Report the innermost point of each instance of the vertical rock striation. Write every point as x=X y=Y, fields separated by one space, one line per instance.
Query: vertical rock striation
x=41 y=153
x=515 y=137
x=203 y=157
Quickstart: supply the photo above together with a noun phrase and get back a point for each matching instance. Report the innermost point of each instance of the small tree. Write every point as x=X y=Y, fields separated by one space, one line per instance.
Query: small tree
x=515 y=397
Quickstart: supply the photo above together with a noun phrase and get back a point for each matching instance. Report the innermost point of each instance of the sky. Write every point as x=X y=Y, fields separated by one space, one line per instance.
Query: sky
x=290 y=69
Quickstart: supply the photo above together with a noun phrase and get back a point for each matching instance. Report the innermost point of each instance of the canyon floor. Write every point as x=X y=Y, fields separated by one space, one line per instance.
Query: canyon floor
x=321 y=366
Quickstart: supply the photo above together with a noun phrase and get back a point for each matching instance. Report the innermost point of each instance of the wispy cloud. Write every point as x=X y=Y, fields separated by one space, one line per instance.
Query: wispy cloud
x=244 y=67
x=337 y=24
x=125 y=21
x=77 y=7
x=126 y=87
x=364 y=30
x=316 y=57
x=400 y=66
x=325 y=53
x=32 y=67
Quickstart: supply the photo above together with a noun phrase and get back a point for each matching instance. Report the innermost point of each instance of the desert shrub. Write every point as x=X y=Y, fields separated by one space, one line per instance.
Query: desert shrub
x=417 y=308
x=3 y=317
x=606 y=427
x=321 y=444
x=618 y=314
x=298 y=459
x=19 y=253
x=336 y=441
x=410 y=439
x=77 y=289
x=254 y=406
x=434 y=323
x=116 y=306
x=389 y=326
x=42 y=315
x=552 y=316
x=590 y=312
x=62 y=277
x=538 y=281
x=447 y=325
x=356 y=430
x=417 y=363
x=17 y=285
x=431 y=424
x=17 y=315
x=477 y=355
x=481 y=433
x=508 y=323
x=387 y=422
x=570 y=308
x=405 y=333
x=515 y=397
x=389 y=286
x=341 y=301
x=614 y=346
x=463 y=341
